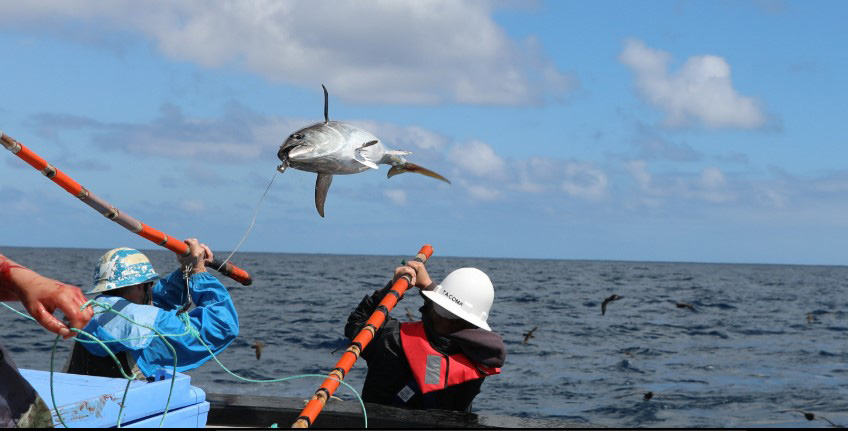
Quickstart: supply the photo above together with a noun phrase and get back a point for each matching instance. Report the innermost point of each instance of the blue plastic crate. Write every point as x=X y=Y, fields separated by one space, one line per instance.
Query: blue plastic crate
x=193 y=416
x=94 y=402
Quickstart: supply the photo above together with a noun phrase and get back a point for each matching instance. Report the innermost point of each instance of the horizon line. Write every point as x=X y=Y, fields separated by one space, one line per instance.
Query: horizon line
x=467 y=257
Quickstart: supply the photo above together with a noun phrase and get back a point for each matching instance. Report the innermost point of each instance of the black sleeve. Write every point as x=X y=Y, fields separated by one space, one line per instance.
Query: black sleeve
x=356 y=320
x=467 y=392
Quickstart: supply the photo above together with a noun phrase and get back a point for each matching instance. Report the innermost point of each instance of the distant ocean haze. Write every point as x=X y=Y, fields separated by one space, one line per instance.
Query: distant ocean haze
x=758 y=340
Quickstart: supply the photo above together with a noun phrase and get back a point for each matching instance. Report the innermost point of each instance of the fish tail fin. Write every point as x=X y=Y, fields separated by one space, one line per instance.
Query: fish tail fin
x=412 y=167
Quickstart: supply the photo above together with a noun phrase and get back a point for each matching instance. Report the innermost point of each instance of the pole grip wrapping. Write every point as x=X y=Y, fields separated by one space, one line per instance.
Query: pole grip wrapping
x=232 y=271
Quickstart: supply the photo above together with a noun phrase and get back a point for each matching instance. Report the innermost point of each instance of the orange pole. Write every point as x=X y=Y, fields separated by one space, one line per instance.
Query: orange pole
x=112 y=213
x=360 y=341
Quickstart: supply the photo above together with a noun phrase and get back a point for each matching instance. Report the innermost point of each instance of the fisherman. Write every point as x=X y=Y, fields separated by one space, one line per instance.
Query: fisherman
x=441 y=361
x=126 y=282
x=20 y=405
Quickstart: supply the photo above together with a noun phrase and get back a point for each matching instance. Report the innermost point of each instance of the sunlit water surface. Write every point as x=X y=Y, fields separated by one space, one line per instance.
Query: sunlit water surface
x=745 y=356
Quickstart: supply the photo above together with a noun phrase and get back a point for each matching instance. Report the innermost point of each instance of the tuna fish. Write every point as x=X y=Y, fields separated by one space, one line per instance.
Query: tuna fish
x=336 y=148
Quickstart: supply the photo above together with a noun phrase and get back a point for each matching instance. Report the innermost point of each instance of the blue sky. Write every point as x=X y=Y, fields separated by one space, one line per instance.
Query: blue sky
x=664 y=130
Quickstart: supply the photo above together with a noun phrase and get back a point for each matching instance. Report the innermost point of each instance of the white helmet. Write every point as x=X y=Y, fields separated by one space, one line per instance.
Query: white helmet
x=466 y=293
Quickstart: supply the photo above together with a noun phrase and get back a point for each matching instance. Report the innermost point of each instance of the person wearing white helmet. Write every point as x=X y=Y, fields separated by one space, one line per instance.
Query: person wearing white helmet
x=125 y=280
x=441 y=361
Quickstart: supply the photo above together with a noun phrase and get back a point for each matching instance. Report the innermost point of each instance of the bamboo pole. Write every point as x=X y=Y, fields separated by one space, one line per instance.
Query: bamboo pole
x=357 y=345
x=100 y=205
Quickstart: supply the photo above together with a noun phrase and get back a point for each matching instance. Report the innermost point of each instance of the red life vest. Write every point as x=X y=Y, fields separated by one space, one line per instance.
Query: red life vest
x=432 y=370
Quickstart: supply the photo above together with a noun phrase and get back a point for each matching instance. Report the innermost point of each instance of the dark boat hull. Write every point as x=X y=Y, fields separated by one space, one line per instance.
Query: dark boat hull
x=263 y=411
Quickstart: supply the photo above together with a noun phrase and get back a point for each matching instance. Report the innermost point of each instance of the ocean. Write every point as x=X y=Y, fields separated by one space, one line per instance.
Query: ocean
x=760 y=341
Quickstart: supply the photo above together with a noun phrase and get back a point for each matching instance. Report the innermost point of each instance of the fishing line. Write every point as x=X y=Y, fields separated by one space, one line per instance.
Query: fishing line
x=189 y=330
x=255 y=212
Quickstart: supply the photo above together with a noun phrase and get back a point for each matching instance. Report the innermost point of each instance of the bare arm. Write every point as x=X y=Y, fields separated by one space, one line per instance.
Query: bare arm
x=41 y=296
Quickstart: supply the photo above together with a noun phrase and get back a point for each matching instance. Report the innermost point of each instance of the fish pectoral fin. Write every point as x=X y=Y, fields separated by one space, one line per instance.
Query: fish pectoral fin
x=322 y=185
x=361 y=155
x=412 y=167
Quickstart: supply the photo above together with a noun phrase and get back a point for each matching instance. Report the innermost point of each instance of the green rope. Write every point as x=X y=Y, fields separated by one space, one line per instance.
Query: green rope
x=18 y=312
x=300 y=376
x=124 y=402
x=53 y=395
x=108 y=308
x=114 y=358
x=164 y=340
x=189 y=330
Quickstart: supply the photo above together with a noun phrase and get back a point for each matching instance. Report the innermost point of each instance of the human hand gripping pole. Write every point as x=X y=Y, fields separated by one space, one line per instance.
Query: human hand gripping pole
x=349 y=357
x=100 y=205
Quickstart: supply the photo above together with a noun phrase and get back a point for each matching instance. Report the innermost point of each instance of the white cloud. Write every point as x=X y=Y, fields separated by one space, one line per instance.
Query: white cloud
x=479 y=159
x=396 y=195
x=638 y=168
x=701 y=90
x=584 y=181
x=527 y=175
x=192 y=205
x=709 y=185
x=238 y=135
x=653 y=146
x=407 y=138
x=381 y=51
x=772 y=197
x=487 y=176
x=712 y=178
x=481 y=192
x=712 y=186
x=785 y=191
x=833 y=183
x=536 y=174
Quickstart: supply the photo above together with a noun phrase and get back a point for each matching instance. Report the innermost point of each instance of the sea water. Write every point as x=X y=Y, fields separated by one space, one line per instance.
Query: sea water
x=762 y=340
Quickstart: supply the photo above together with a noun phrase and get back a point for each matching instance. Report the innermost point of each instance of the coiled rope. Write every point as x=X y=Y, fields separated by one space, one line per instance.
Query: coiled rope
x=189 y=330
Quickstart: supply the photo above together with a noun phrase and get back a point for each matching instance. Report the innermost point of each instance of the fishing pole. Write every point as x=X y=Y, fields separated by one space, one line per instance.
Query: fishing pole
x=100 y=205
x=357 y=345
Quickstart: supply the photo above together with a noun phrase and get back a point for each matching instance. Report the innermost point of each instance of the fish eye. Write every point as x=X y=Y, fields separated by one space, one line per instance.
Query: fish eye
x=297 y=136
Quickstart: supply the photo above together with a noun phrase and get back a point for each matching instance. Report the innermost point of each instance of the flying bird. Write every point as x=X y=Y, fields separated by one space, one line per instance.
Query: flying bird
x=685 y=305
x=336 y=148
x=613 y=297
x=812 y=416
x=529 y=335
x=258 y=346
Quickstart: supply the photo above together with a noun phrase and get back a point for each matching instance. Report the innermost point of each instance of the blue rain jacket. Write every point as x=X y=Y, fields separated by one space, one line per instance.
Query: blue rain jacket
x=214 y=318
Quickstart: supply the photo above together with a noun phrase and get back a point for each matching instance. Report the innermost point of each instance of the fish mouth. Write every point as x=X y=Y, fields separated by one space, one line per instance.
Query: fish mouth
x=290 y=152
x=283 y=155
